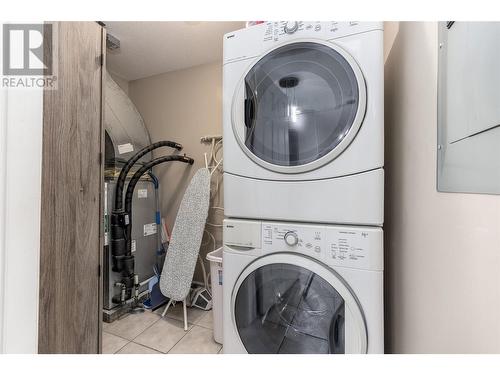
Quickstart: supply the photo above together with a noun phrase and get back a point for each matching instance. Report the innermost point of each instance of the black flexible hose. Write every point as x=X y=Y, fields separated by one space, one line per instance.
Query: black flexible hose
x=120 y=183
x=124 y=262
x=135 y=179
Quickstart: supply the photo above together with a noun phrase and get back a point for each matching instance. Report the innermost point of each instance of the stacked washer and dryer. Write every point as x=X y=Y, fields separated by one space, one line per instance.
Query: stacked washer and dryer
x=303 y=188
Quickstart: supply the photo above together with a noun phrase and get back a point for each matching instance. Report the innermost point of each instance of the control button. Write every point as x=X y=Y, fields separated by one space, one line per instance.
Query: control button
x=291 y=27
x=317 y=28
x=317 y=249
x=291 y=238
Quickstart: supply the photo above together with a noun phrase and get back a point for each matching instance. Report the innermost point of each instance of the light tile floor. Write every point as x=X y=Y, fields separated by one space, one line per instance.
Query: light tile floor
x=149 y=333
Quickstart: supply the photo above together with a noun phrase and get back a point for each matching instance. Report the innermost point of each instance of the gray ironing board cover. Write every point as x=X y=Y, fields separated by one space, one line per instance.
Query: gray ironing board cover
x=182 y=253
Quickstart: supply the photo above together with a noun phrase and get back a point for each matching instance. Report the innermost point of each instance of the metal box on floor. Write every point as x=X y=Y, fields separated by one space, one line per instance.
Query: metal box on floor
x=144 y=239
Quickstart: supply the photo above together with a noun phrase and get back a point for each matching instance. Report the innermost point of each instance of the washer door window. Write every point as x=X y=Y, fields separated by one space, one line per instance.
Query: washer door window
x=303 y=103
x=296 y=305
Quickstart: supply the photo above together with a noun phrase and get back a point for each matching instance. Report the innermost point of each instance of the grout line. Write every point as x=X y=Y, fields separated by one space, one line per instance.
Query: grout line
x=122 y=346
x=145 y=329
x=190 y=326
x=144 y=346
x=126 y=338
x=123 y=338
x=199 y=325
x=112 y=333
x=185 y=336
x=189 y=330
x=201 y=316
x=182 y=318
x=204 y=328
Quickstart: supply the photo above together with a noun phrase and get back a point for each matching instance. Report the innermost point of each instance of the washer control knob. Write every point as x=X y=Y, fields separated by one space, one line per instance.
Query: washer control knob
x=291 y=27
x=291 y=238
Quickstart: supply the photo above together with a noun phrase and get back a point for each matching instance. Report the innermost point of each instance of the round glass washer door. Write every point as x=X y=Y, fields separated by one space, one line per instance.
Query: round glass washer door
x=299 y=107
x=290 y=304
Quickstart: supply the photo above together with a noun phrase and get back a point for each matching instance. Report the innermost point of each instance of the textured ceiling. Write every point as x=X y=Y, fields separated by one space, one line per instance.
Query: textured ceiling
x=149 y=48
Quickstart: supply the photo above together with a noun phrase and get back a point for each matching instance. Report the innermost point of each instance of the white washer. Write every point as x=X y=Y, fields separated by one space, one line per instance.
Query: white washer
x=303 y=122
x=299 y=288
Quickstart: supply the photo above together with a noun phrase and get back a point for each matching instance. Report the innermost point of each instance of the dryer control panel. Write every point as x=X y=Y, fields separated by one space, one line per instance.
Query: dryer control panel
x=255 y=40
x=276 y=31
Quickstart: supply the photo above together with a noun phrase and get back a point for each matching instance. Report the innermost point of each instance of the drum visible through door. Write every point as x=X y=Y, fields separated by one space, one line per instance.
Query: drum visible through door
x=299 y=106
x=290 y=304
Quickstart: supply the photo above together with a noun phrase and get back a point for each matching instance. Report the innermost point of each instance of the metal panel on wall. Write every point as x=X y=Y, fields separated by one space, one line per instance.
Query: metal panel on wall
x=468 y=107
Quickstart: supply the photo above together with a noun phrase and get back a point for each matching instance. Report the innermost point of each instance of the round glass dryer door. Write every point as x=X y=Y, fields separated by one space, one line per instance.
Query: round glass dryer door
x=286 y=303
x=299 y=106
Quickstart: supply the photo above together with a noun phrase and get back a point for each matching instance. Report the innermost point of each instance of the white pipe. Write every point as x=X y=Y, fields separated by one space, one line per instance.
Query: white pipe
x=208 y=138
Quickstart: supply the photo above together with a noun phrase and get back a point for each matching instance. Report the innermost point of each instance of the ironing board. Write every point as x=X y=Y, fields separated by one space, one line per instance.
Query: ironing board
x=185 y=241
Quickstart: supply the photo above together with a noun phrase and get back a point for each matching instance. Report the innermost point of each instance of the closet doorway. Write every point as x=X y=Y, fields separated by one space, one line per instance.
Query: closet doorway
x=169 y=75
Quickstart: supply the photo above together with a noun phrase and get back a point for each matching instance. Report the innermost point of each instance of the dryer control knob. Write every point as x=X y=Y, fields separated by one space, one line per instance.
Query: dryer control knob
x=291 y=27
x=291 y=238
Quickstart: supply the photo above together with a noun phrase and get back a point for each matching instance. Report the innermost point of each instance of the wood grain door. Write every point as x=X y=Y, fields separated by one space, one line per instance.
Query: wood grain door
x=72 y=177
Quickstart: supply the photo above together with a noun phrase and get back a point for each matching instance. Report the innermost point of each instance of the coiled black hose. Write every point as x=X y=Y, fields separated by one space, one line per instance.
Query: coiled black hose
x=135 y=179
x=120 y=183
x=121 y=226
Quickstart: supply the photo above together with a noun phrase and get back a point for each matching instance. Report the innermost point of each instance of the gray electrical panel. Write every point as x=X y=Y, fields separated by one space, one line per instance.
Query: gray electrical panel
x=468 y=157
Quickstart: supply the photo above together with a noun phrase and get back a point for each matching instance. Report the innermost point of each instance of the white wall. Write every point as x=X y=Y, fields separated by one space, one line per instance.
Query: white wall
x=442 y=249
x=122 y=82
x=183 y=106
x=20 y=196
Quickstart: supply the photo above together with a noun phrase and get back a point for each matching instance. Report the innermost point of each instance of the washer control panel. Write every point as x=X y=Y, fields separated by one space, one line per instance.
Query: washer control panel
x=347 y=246
x=306 y=239
x=354 y=247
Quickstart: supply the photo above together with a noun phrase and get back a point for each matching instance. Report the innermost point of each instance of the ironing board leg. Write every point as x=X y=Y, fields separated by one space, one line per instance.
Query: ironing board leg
x=166 y=308
x=184 y=307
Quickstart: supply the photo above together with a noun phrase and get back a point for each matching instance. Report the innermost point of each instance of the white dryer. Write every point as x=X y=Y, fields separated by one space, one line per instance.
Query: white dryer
x=303 y=122
x=298 y=288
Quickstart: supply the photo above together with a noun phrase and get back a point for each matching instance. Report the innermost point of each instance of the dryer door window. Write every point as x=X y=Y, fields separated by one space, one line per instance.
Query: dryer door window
x=287 y=308
x=304 y=102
